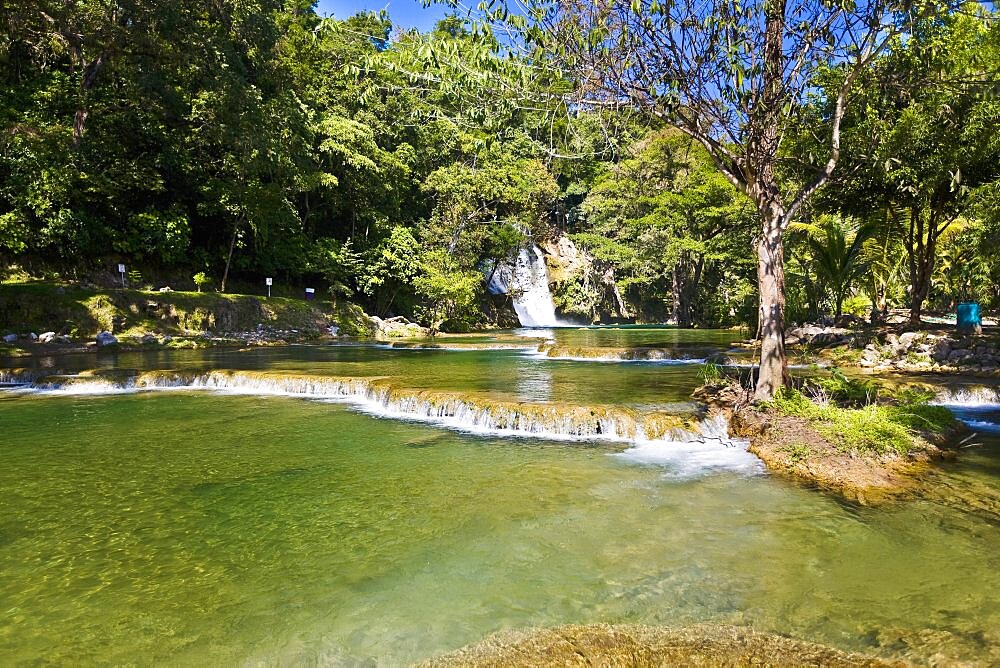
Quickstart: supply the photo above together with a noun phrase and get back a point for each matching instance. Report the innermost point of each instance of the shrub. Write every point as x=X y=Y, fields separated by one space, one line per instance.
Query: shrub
x=858 y=305
x=201 y=280
x=853 y=391
x=710 y=373
x=875 y=429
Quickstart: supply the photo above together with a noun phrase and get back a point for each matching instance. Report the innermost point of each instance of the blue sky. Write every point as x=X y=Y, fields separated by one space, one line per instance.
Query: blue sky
x=404 y=13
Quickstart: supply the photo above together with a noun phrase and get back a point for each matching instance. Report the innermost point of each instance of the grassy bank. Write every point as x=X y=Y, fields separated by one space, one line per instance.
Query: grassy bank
x=852 y=437
x=81 y=313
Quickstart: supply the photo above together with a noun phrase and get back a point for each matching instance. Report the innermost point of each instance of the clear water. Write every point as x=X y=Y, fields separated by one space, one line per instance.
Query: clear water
x=199 y=528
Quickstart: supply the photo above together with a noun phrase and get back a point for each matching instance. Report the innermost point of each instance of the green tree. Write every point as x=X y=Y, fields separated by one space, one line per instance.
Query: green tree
x=733 y=76
x=663 y=217
x=923 y=144
x=838 y=260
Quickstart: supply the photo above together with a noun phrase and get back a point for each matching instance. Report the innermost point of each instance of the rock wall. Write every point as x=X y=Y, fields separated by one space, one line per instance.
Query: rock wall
x=583 y=288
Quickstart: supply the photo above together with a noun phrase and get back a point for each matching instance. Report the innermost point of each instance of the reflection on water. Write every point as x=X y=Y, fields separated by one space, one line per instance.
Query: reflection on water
x=535 y=384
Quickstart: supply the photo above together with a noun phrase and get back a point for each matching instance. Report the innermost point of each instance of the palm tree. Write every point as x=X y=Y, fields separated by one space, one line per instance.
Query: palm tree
x=837 y=262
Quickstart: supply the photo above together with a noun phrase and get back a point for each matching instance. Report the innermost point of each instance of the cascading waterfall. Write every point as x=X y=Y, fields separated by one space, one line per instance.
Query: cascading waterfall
x=527 y=281
x=451 y=410
x=969 y=396
x=977 y=406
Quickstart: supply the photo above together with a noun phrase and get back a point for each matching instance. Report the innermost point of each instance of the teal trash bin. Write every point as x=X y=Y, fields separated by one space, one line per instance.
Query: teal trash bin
x=969 y=319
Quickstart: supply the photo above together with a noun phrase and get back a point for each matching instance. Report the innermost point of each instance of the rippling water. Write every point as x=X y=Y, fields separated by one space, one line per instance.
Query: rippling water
x=199 y=528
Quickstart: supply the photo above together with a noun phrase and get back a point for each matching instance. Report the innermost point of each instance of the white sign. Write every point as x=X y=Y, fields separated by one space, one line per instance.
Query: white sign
x=268 y=281
x=121 y=269
x=310 y=291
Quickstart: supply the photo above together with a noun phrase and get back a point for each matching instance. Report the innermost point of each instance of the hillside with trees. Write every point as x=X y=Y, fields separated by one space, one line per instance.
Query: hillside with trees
x=393 y=169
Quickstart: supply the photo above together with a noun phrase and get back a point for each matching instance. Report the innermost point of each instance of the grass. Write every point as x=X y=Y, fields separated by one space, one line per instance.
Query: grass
x=81 y=313
x=710 y=373
x=796 y=452
x=876 y=429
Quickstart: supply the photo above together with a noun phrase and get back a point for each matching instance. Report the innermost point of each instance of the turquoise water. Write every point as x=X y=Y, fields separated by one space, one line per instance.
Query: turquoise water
x=191 y=527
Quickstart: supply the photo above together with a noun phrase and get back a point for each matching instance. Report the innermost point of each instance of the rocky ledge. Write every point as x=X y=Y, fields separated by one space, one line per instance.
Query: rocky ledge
x=884 y=349
x=808 y=451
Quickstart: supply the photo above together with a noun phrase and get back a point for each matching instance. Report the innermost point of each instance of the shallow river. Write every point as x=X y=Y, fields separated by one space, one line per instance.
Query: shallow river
x=197 y=527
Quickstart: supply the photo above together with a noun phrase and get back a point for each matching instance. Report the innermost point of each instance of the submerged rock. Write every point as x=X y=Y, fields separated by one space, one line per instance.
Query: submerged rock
x=614 y=645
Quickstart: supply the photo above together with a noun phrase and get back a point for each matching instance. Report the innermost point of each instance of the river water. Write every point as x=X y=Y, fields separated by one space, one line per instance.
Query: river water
x=242 y=525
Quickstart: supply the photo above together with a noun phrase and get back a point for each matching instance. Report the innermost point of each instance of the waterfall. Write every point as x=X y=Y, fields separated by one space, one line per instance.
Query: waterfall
x=527 y=282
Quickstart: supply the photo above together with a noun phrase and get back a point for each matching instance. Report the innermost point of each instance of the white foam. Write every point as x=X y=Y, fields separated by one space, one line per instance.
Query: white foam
x=983 y=425
x=969 y=396
x=527 y=281
x=686 y=452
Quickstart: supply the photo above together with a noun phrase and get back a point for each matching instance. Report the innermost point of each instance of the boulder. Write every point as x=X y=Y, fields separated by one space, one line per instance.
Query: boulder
x=106 y=339
x=850 y=320
x=47 y=337
x=398 y=328
x=941 y=350
x=62 y=338
x=9 y=338
x=32 y=336
x=827 y=339
x=148 y=339
x=906 y=339
x=166 y=288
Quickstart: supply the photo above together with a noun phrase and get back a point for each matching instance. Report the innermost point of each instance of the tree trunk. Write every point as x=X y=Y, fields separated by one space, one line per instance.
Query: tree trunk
x=675 y=285
x=229 y=258
x=921 y=249
x=773 y=372
x=771 y=282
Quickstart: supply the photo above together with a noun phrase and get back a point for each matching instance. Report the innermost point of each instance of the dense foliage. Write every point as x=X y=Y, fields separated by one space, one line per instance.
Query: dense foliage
x=218 y=143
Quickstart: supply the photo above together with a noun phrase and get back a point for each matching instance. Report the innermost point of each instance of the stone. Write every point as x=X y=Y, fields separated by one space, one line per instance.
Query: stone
x=9 y=338
x=167 y=339
x=47 y=337
x=60 y=290
x=62 y=338
x=398 y=328
x=106 y=339
x=148 y=339
x=333 y=330
x=850 y=320
x=32 y=336
x=827 y=338
x=870 y=355
x=941 y=350
x=906 y=338
x=166 y=288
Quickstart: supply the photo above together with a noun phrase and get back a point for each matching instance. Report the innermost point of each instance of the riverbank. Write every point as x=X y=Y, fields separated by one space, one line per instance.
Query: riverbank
x=849 y=437
x=879 y=349
x=54 y=318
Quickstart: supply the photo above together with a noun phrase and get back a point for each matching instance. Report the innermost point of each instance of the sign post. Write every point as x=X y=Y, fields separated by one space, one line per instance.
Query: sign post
x=267 y=282
x=121 y=270
x=310 y=294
